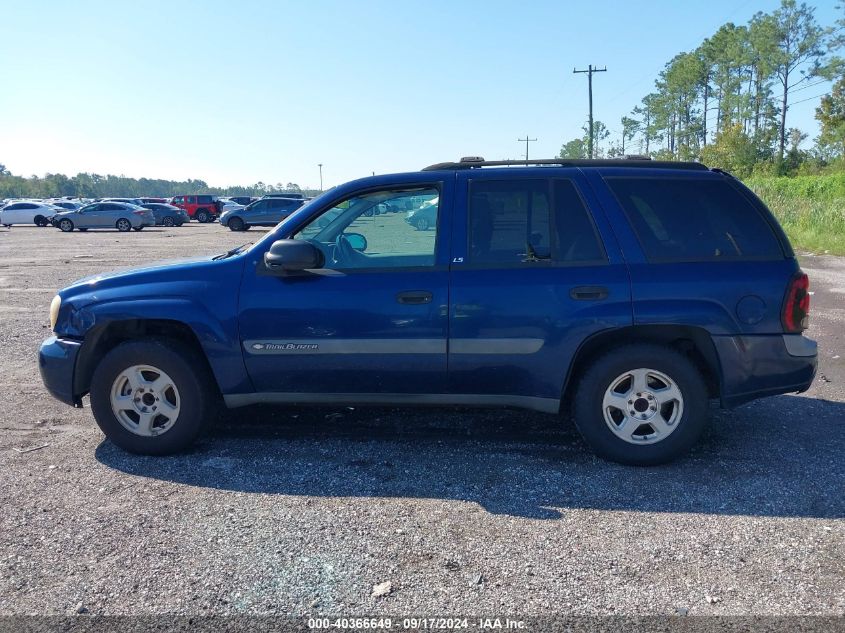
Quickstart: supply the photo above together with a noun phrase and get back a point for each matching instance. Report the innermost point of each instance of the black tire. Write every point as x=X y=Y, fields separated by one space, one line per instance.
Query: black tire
x=139 y=228
x=421 y=224
x=82 y=230
x=203 y=216
x=236 y=224
x=40 y=220
x=65 y=225
x=597 y=379
x=123 y=225
x=197 y=395
x=168 y=221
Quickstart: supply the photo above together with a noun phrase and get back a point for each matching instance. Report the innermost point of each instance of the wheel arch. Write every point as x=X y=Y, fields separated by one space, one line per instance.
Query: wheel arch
x=101 y=339
x=694 y=342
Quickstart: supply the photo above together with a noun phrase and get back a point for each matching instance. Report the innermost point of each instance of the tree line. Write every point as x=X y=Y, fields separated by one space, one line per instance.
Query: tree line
x=96 y=186
x=727 y=102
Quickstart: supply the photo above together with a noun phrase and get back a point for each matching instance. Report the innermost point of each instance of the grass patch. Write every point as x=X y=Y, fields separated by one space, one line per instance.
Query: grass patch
x=811 y=209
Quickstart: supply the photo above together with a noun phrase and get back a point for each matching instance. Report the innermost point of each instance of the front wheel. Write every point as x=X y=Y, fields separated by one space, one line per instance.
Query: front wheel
x=66 y=226
x=40 y=220
x=236 y=224
x=149 y=398
x=641 y=404
x=123 y=225
x=421 y=224
x=168 y=221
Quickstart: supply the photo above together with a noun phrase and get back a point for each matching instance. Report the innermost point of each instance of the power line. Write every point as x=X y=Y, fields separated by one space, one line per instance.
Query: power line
x=822 y=81
x=590 y=70
x=821 y=94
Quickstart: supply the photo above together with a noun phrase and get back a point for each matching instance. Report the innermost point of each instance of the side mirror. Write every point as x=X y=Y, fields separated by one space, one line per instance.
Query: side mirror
x=286 y=256
x=356 y=241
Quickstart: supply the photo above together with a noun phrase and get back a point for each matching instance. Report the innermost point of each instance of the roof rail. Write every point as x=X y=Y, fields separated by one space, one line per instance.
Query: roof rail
x=472 y=162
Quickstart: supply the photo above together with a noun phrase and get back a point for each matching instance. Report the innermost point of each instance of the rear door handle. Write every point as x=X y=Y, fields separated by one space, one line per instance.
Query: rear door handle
x=589 y=293
x=414 y=297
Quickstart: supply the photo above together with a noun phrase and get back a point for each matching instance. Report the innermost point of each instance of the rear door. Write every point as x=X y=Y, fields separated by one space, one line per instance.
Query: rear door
x=533 y=274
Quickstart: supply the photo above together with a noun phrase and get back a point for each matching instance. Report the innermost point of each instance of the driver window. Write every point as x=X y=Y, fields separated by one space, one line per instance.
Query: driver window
x=394 y=228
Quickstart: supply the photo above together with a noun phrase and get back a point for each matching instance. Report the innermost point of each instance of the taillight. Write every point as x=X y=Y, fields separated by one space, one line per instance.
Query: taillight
x=140 y=212
x=796 y=307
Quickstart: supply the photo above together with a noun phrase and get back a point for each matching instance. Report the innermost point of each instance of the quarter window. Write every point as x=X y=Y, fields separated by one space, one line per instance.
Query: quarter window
x=685 y=219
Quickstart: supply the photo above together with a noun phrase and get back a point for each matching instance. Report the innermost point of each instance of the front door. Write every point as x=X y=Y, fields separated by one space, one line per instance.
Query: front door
x=373 y=320
x=533 y=275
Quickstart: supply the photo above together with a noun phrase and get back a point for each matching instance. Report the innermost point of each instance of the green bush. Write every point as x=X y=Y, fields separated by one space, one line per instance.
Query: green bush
x=811 y=209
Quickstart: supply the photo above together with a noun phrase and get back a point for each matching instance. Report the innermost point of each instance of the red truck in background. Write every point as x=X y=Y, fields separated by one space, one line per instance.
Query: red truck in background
x=202 y=208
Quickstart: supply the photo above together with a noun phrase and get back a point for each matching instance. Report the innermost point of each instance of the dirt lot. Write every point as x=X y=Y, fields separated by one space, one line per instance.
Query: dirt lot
x=288 y=511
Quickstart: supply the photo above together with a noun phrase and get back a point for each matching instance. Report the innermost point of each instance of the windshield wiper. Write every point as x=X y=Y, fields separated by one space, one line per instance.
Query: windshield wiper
x=234 y=251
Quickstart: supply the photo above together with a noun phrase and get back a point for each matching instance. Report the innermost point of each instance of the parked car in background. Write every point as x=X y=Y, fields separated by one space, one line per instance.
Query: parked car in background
x=167 y=214
x=159 y=200
x=243 y=200
x=227 y=204
x=136 y=201
x=27 y=212
x=67 y=204
x=122 y=216
x=202 y=208
x=285 y=194
x=423 y=218
x=267 y=211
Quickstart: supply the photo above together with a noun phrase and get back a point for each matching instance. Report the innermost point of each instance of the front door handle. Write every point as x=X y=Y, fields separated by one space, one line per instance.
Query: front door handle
x=589 y=293
x=414 y=297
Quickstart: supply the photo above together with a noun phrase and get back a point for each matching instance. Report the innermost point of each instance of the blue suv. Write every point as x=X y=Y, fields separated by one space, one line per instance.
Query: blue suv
x=625 y=293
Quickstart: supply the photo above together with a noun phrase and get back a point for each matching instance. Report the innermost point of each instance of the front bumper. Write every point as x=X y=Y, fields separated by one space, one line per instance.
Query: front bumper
x=758 y=366
x=57 y=364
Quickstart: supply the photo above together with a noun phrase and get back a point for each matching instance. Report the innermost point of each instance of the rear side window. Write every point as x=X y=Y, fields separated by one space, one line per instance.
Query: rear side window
x=528 y=221
x=683 y=219
x=204 y=200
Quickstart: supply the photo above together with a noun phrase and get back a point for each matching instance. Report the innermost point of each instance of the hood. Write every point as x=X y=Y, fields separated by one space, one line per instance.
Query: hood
x=154 y=273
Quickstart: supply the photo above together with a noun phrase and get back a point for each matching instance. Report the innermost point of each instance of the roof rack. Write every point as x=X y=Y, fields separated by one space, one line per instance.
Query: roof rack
x=472 y=162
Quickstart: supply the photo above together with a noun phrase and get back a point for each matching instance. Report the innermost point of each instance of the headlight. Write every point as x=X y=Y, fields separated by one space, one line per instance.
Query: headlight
x=55 y=304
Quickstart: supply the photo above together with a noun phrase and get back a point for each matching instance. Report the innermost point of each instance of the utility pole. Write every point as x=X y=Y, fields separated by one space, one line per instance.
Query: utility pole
x=590 y=70
x=527 y=141
x=320 y=165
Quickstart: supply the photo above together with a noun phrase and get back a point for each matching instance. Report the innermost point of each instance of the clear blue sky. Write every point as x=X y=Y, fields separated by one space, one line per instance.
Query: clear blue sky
x=236 y=92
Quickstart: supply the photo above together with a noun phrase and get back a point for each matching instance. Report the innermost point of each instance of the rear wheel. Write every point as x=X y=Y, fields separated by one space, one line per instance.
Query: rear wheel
x=421 y=224
x=123 y=225
x=66 y=226
x=237 y=224
x=40 y=220
x=148 y=397
x=203 y=216
x=641 y=404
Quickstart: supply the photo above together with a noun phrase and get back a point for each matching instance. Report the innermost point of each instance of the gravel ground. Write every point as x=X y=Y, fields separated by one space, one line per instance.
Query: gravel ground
x=285 y=511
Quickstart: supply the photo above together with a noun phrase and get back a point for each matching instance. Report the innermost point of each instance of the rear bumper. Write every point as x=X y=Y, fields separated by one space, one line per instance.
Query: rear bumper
x=757 y=366
x=57 y=363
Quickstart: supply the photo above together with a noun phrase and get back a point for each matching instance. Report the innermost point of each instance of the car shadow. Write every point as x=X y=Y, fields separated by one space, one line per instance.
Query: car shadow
x=777 y=457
